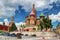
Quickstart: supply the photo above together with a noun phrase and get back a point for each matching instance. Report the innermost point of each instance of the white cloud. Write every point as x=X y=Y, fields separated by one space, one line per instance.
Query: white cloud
x=18 y=24
x=9 y=6
x=6 y=22
x=39 y=4
x=54 y=17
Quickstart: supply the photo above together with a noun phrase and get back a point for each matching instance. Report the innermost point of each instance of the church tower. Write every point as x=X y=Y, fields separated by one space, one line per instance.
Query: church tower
x=10 y=23
x=33 y=16
x=12 y=19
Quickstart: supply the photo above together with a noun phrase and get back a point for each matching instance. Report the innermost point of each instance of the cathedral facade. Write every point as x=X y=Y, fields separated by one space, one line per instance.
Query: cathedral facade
x=32 y=21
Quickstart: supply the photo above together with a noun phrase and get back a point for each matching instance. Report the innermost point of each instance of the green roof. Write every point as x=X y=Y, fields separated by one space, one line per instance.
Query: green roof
x=42 y=14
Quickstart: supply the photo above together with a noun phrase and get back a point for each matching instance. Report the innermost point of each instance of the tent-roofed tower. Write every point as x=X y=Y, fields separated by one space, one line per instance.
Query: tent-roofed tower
x=12 y=18
x=33 y=16
x=10 y=23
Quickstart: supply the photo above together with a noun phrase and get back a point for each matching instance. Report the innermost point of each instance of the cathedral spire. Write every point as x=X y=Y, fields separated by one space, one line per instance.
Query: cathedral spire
x=33 y=10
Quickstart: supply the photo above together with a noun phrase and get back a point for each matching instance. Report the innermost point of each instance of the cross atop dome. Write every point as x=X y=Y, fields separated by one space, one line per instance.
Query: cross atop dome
x=33 y=7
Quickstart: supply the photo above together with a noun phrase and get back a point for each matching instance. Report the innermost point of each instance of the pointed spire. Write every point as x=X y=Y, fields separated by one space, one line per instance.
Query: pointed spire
x=33 y=10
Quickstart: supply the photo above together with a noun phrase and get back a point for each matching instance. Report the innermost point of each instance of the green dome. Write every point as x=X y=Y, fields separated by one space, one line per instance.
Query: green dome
x=41 y=14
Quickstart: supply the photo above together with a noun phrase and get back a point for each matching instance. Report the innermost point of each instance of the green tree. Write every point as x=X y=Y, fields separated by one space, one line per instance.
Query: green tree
x=13 y=27
x=47 y=23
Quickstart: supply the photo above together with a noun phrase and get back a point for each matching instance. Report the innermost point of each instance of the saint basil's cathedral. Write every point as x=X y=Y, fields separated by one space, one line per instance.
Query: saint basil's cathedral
x=32 y=22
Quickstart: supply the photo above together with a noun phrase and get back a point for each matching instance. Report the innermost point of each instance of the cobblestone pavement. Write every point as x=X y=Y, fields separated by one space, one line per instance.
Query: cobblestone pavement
x=25 y=38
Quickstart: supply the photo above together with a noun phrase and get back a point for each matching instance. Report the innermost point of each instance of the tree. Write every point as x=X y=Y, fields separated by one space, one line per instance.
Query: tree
x=13 y=27
x=46 y=24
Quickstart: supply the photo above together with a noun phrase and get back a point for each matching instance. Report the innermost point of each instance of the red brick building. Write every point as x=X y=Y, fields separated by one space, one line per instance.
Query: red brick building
x=2 y=27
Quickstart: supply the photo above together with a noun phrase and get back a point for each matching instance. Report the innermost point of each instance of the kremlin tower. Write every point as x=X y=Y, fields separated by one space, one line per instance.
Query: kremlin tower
x=10 y=23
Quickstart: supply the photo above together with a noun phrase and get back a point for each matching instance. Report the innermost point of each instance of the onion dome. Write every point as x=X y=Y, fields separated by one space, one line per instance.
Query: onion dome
x=41 y=14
